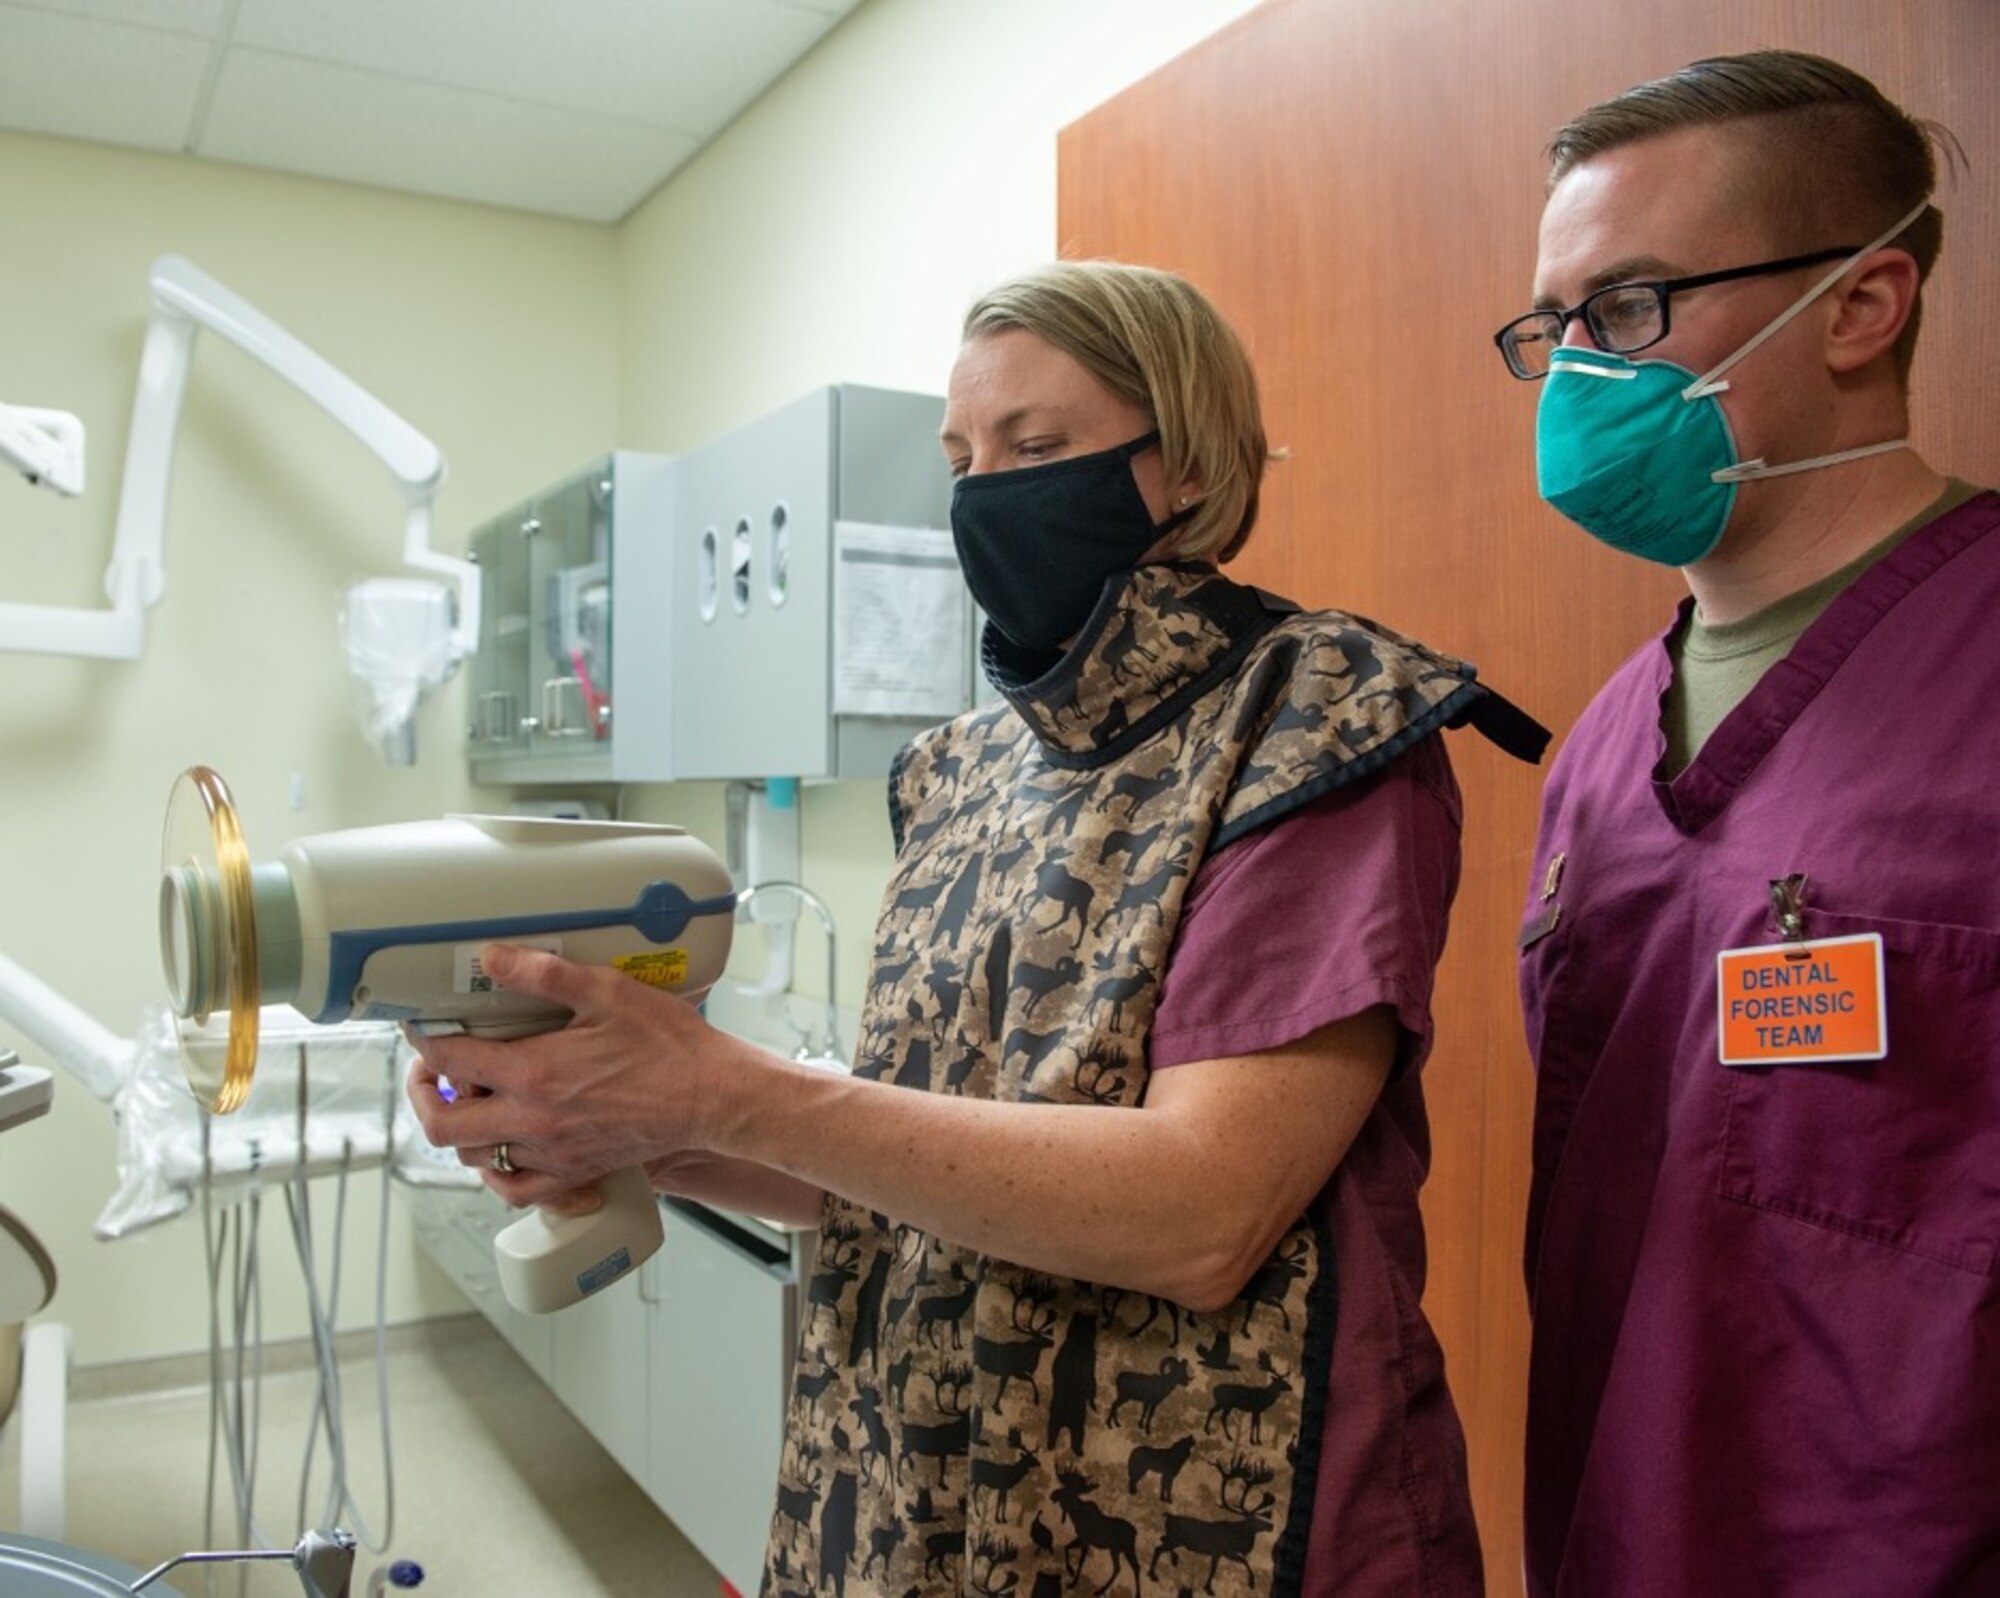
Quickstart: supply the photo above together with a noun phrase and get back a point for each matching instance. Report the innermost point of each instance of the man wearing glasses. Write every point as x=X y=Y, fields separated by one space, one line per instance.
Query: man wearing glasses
x=1761 y=958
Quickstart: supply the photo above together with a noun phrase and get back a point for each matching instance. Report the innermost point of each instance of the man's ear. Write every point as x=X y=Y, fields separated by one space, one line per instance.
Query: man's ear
x=1872 y=305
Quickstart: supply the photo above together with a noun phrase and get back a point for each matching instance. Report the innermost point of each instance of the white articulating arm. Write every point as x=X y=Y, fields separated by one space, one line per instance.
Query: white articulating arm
x=185 y=300
x=68 y=1036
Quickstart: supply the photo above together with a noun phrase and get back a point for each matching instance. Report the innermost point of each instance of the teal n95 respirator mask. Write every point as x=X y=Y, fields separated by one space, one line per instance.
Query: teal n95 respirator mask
x=1640 y=455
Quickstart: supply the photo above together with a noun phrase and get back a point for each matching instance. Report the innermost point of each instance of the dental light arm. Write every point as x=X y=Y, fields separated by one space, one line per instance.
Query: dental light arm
x=186 y=300
x=46 y=447
x=76 y=1041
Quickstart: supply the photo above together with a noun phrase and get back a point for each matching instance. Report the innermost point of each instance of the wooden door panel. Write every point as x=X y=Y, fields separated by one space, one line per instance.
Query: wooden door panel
x=1357 y=184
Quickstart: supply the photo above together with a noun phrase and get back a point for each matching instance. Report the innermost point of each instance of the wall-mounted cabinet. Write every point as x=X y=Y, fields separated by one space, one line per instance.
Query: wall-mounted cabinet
x=782 y=602
x=541 y=689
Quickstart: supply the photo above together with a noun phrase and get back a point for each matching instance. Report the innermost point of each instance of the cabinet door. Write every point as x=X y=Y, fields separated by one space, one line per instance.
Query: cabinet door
x=498 y=688
x=753 y=517
x=569 y=648
x=722 y=1350
x=599 y=1359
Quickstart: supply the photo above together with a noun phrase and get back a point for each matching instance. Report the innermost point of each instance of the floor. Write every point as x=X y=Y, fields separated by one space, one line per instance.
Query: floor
x=497 y=1488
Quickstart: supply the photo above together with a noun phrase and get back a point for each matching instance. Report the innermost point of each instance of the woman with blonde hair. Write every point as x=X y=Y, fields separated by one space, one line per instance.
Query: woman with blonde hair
x=1120 y=1258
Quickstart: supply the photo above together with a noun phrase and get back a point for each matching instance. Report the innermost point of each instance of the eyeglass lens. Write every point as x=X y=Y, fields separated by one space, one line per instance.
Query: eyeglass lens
x=1622 y=319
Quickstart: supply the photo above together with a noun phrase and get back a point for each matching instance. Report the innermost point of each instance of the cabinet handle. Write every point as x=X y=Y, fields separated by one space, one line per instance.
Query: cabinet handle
x=496 y=716
x=563 y=708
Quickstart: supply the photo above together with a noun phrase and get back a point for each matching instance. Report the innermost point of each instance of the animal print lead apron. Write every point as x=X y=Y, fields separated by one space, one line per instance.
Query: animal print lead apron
x=957 y=1423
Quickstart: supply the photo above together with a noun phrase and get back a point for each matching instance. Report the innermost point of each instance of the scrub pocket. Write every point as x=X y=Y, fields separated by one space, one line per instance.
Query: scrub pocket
x=1903 y=1151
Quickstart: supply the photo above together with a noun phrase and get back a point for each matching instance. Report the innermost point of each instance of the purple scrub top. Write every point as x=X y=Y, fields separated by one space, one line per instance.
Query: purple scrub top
x=1766 y=1300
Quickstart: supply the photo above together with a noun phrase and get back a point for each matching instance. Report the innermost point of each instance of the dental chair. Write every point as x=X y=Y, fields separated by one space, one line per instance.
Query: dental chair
x=34 y=1360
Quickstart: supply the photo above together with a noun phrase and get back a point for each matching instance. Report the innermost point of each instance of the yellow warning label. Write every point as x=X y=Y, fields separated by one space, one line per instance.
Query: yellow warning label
x=657 y=968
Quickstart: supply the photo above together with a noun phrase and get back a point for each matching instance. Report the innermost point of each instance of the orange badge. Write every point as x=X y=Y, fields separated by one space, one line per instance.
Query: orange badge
x=1802 y=1003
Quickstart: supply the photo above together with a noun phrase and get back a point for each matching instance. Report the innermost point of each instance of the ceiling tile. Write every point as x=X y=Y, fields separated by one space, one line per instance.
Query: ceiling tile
x=172 y=16
x=621 y=90
x=362 y=127
x=683 y=64
x=81 y=78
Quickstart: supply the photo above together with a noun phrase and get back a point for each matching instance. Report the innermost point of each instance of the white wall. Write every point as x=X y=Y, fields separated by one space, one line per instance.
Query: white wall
x=835 y=232
x=496 y=334
x=838 y=230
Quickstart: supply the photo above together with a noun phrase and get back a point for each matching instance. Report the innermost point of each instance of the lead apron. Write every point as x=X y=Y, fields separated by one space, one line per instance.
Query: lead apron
x=957 y=1422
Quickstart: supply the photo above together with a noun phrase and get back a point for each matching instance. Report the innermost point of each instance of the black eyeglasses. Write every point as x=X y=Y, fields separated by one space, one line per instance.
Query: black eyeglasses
x=1626 y=317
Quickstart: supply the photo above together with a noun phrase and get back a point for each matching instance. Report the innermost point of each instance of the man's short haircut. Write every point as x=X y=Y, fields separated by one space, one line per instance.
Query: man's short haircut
x=1836 y=160
x=1153 y=339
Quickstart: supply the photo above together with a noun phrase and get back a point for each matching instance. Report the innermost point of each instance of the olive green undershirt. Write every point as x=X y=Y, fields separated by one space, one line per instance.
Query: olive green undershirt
x=1717 y=664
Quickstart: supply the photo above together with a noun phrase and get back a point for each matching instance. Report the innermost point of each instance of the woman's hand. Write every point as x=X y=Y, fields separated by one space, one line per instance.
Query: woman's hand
x=625 y=1083
x=618 y=1086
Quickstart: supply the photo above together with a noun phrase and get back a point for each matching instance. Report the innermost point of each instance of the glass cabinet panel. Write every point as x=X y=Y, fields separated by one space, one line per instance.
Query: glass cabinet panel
x=569 y=558
x=500 y=666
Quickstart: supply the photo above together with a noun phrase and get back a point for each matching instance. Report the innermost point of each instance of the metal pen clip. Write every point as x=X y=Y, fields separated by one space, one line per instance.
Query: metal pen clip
x=1788 y=903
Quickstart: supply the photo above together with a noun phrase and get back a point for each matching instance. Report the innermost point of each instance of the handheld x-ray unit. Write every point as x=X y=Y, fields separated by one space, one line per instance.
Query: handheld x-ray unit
x=387 y=923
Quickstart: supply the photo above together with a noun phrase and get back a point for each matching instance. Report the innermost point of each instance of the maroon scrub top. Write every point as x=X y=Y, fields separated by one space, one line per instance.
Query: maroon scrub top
x=1334 y=910
x=1766 y=1354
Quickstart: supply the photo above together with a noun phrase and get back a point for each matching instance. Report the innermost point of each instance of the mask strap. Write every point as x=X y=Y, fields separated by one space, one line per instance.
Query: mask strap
x=1708 y=382
x=1752 y=471
x=1179 y=518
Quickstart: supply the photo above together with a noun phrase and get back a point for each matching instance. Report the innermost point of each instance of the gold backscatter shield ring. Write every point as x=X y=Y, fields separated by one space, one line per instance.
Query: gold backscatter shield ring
x=208 y=939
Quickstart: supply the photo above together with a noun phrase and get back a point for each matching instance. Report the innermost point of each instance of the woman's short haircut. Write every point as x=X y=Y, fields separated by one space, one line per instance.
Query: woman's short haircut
x=1154 y=340
x=1836 y=161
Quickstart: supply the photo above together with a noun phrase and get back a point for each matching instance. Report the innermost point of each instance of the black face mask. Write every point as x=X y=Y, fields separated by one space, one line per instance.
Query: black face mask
x=1038 y=544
